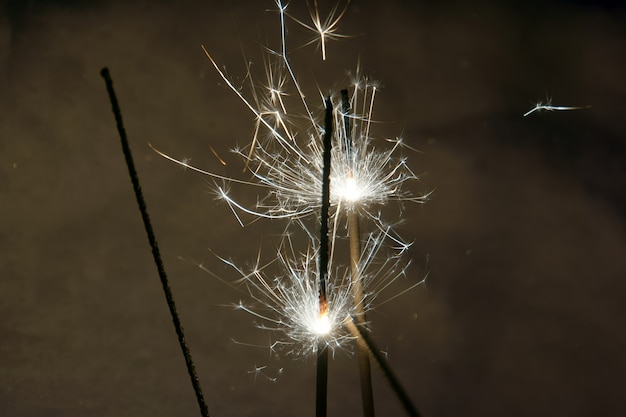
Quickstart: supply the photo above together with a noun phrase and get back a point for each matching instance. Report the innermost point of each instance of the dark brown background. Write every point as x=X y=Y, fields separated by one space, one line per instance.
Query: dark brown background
x=524 y=237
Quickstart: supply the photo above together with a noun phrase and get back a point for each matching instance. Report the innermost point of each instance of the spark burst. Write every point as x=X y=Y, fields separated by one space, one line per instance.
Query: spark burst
x=285 y=158
x=286 y=303
x=362 y=176
x=365 y=175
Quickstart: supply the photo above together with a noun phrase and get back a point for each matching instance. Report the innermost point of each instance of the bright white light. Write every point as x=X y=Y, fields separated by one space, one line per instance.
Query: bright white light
x=288 y=305
x=348 y=190
x=322 y=325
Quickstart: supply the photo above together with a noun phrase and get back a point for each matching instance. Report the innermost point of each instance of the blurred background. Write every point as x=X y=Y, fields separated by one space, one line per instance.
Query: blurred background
x=523 y=238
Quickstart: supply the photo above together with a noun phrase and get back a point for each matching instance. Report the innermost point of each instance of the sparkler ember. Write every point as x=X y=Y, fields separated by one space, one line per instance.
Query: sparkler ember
x=325 y=30
x=323 y=326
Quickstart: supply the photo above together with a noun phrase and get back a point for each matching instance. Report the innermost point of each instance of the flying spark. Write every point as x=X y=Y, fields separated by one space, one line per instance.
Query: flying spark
x=326 y=30
x=547 y=106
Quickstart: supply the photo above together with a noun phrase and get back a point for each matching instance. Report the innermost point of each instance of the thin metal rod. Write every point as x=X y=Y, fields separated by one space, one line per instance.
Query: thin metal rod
x=354 y=231
x=322 y=350
x=134 y=178
x=358 y=332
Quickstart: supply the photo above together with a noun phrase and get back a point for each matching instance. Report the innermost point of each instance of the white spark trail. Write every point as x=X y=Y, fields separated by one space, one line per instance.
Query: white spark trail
x=549 y=107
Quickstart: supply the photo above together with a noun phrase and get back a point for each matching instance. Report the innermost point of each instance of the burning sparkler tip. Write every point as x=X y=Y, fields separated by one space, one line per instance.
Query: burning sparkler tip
x=322 y=325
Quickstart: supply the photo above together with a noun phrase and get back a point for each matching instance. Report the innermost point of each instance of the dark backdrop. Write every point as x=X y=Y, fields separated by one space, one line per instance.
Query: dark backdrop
x=523 y=238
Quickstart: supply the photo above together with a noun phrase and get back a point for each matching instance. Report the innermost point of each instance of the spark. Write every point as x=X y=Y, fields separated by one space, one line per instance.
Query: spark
x=547 y=106
x=258 y=370
x=216 y=155
x=326 y=30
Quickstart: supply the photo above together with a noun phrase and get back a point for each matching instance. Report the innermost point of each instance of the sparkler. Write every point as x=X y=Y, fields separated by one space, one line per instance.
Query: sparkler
x=288 y=159
x=364 y=177
x=283 y=293
x=367 y=394
x=288 y=304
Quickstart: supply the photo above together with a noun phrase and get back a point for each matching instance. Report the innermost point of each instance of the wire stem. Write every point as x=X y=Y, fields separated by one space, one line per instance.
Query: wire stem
x=358 y=332
x=354 y=231
x=322 y=350
x=134 y=178
x=321 y=397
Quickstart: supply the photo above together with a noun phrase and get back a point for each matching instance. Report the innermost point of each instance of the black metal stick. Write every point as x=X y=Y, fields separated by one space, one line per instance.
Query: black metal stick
x=153 y=242
x=358 y=332
x=322 y=349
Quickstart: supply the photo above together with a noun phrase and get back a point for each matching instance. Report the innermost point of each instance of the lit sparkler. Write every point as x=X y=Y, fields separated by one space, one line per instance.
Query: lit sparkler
x=286 y=303
x=311 y=303
x=363 y=178
x=285 y=158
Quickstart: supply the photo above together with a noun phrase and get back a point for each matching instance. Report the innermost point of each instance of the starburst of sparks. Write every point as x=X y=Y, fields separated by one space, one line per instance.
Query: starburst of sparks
x=361 y=175
x=325 y=30
x=285 y=159
x=364 y=177
x=287 y=302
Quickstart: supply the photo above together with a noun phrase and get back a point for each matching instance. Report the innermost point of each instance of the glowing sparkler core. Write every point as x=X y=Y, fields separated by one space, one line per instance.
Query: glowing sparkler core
x=322 y=326
x=348 y=190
